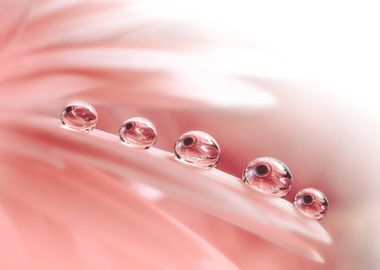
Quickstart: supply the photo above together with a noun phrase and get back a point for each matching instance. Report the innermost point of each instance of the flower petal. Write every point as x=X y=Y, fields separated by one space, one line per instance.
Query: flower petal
x=212 y=191
x=86 y=220
x=198 y=78
x=12 y=14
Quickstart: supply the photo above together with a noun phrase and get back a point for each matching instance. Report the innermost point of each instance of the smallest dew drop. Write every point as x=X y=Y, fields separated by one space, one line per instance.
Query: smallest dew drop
x=312 y=203
x=197 y=148
x=79 y=116
x=138 y=132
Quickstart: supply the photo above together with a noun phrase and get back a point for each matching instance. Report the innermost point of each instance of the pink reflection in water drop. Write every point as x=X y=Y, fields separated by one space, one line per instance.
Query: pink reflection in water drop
x=312 y=203
x=269 y=176
x=79 y=116
x=197 y=148
x=138 y=132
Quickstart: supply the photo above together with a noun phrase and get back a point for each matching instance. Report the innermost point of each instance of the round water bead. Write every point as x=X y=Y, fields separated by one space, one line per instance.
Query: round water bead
x=79 y=116
x=268 y=175
x=312 y=203
x=138 y=132
x=197 y=148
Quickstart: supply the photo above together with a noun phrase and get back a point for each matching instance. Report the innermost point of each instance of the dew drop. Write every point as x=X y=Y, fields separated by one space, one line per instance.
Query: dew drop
x=197 y=148
x=138 y=132
x=79 y=116
x=312 y=203
x=268 y=175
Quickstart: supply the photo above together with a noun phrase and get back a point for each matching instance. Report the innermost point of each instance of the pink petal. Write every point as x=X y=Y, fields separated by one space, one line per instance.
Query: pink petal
x=72 y=215
x=212 y=191
x=12 y=14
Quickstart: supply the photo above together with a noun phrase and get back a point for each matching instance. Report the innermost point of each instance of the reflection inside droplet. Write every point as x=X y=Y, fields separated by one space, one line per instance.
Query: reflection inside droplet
x=79 y=116
x=311 y=202
x=269 y=176
x=197 y=148
x=138 y=132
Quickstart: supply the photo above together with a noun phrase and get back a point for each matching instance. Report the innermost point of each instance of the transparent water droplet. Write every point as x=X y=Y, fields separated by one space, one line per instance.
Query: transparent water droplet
x=268 y=175
x=138 y=132
x=197 y=148
x=79 y=116
x=312 y=203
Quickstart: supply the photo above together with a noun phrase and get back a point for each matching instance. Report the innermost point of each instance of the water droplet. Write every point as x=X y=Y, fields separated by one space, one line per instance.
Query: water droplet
x=197 y=148
x=312 y=203
x=269 y=176
x=79 y=116
x=138 y=132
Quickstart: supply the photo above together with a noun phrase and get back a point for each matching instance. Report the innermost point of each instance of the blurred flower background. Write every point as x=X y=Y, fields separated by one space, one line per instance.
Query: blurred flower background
x=295 y=80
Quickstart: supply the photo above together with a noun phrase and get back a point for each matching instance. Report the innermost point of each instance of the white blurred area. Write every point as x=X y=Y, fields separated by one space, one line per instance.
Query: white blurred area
x=335 y=43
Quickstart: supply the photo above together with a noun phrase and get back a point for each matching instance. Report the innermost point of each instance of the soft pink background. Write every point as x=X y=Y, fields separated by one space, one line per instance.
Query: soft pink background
x=294 y=80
